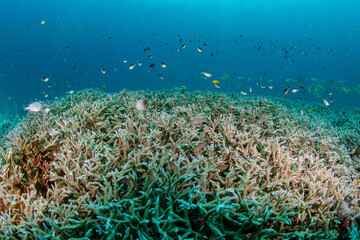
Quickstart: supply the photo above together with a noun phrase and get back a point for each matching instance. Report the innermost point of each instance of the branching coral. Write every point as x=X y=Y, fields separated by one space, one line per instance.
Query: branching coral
x=193 y=165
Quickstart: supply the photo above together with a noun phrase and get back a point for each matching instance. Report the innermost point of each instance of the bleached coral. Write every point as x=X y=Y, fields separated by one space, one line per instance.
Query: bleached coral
x=253 y=168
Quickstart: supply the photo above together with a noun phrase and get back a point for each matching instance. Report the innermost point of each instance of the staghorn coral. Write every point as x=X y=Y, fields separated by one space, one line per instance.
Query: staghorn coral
x=253 y=169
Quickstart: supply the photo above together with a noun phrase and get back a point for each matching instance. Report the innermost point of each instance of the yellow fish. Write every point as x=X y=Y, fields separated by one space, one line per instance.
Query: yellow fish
x=216 y=81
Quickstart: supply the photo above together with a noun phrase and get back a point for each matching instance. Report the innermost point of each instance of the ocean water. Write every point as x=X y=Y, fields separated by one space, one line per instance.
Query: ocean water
x=234 y=119
x=309 y=44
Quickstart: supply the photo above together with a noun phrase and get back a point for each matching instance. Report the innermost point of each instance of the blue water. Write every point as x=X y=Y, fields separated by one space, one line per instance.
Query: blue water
x=251 y=41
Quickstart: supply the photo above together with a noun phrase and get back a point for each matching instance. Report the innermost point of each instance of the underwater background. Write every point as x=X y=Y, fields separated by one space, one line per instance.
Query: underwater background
x=309 y=44
x=179 y=119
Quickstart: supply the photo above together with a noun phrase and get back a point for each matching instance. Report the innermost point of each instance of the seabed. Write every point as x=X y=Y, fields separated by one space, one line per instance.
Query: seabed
x=193 y=165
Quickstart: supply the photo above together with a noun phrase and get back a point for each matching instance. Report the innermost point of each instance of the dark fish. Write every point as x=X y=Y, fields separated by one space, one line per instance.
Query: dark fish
x=212 y=54
x=152 y=65
x=286 y=91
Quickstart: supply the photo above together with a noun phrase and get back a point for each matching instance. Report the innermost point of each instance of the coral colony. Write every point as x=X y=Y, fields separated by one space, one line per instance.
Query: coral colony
x=186 y=166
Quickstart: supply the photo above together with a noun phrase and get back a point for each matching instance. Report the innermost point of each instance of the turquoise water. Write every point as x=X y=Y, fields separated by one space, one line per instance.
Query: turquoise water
x=309 y=44
x=256 y=134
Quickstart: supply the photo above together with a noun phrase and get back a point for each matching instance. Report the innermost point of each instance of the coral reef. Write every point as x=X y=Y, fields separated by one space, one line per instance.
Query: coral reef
x=7 y=122
x=191 y=166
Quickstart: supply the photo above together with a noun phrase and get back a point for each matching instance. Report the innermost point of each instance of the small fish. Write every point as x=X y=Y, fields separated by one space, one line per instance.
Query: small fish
x=311 y=110
x=250 y=89
x=286 y=91
x=103 y=86
x=152 y=65
x=140 y=63
x=52 y=132
x=326 y=102
x=150 y=56
x=103 y=71
x=70 y=92
x=34 y=107
x=294 y=90
x=132 y=66
x=199 y=49
x=270 y=87
x=197 y=121
x=302 y=112
x=217 y=85
x=161 y=76
x=46 y=110
x=100 y=123
x=126 y=61
x=45 y=79
x=215 y=81
x=178 y=49
x=141 y=104
x=163 y=65
x=42 y=22
x=183 y=46
x=262 y=86
x=257 y=84
x=243 y=92
x=206 y=74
